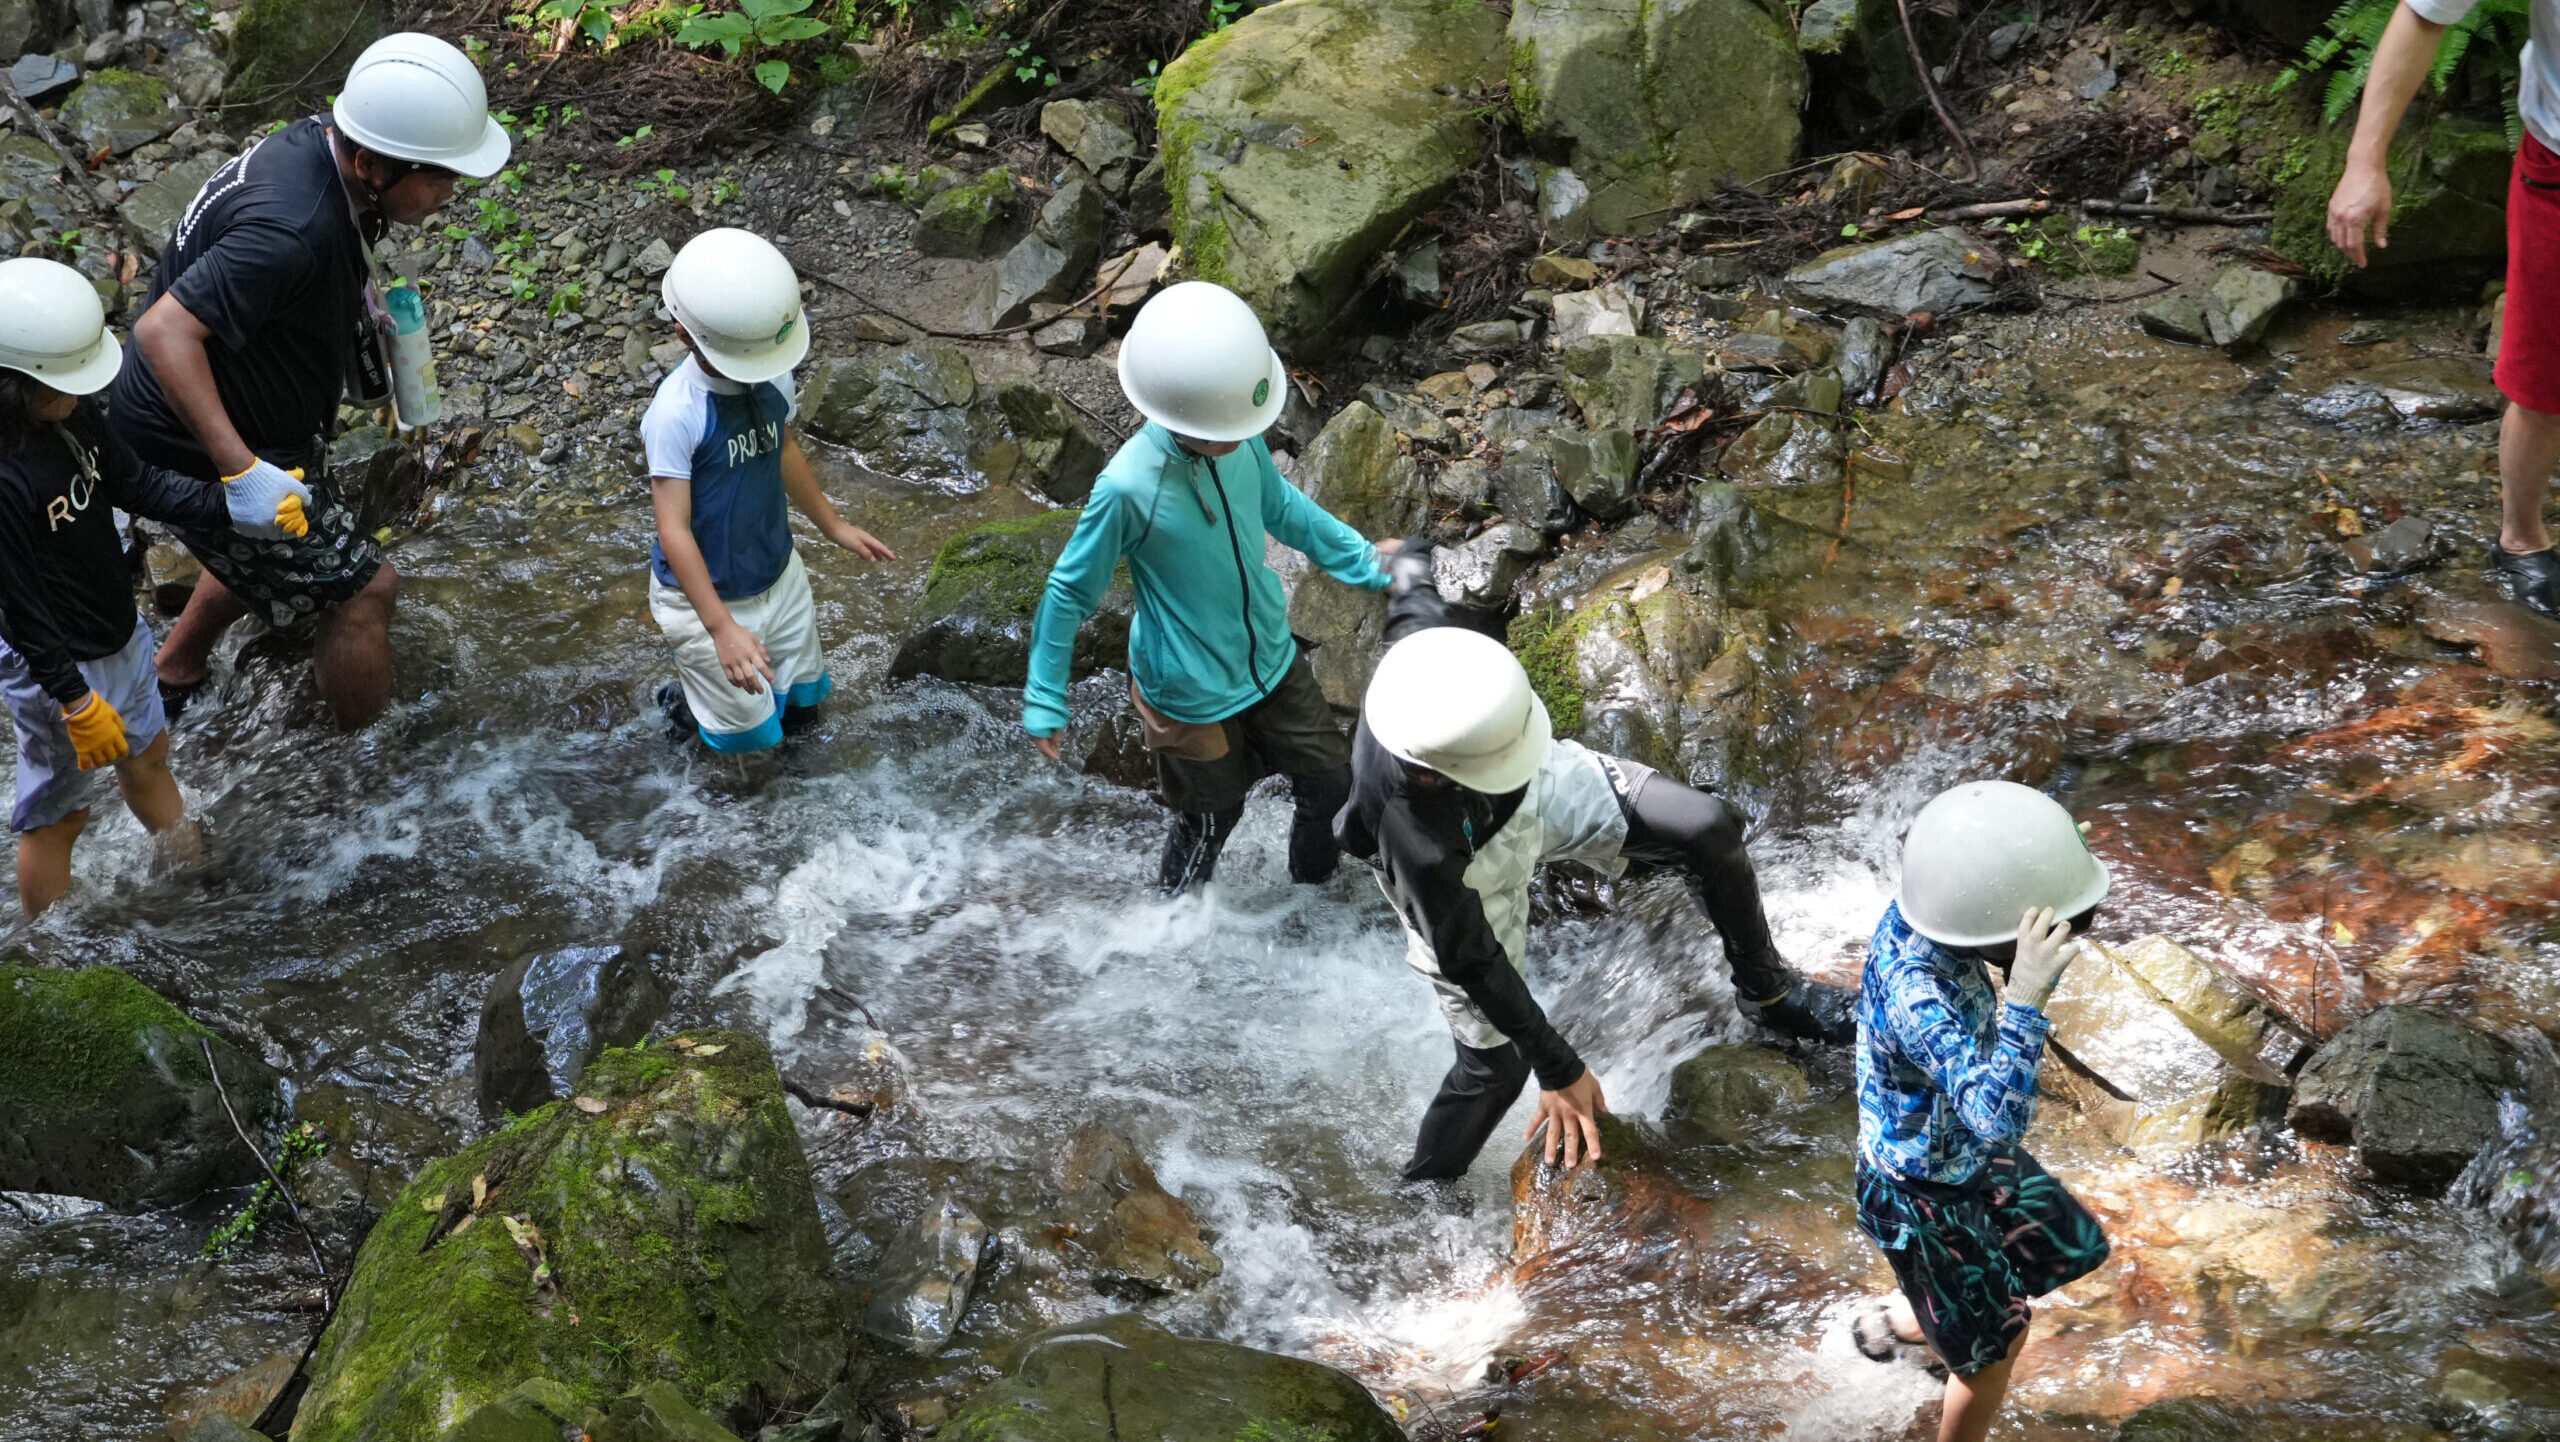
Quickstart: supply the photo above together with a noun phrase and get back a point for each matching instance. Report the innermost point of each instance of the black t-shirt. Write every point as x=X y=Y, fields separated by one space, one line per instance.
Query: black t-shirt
x=269 y=259
x=65 y=595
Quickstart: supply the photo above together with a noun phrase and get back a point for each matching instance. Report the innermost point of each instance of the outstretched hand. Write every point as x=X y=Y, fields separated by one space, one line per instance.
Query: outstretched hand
x=1571 y=1116
x=2360 y=204
x=862 y=543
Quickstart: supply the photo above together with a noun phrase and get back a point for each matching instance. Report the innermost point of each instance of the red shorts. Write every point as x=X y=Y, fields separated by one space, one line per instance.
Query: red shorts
x=2529 y=347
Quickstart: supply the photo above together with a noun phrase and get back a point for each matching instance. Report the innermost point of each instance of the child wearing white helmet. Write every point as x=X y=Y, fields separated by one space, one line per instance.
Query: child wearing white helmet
x=1223 y=696
x=1992 y=872
x=1460 y=792
x=75 y=656
x=724 y=583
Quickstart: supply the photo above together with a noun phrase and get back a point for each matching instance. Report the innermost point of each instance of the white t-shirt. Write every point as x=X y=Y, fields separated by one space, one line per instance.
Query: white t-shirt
x=2538 y=97
x=681 y=414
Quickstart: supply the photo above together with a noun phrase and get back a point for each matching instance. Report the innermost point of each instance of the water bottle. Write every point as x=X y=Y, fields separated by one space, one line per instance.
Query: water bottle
x=413 y=358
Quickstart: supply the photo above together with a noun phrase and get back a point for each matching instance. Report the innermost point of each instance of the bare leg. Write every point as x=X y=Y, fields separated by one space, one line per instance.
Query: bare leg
x=148 y=787
x=352 y=658
x=1973 y=1401
x=188 y=652
x=44 y=862
x=2528 y=448
x=1904 y=1321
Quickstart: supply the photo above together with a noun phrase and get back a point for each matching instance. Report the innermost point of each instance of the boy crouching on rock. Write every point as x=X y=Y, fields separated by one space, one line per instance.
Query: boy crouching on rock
x=1974 y=1229
x=725 y=584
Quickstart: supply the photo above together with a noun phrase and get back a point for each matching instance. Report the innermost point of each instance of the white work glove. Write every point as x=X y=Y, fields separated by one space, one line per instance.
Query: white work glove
x=2045 y=949
x=267 y=503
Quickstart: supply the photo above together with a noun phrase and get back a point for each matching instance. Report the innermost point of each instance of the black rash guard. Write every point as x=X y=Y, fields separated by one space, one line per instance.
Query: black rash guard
x=66 y=595
x=1420 y=834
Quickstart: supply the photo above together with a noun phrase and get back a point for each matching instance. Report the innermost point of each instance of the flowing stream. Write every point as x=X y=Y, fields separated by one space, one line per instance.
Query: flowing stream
x=911 y=864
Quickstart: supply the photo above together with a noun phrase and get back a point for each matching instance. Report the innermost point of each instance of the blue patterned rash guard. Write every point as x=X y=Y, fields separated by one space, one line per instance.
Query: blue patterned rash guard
x=1946 y=1069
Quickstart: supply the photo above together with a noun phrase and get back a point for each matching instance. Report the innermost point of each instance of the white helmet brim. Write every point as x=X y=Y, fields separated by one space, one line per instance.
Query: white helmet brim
x=87 y=374
x=485 y=159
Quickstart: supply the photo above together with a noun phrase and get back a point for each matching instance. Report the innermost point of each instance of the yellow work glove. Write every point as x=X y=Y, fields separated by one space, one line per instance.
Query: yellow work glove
x=97 y=732
x=267 y=502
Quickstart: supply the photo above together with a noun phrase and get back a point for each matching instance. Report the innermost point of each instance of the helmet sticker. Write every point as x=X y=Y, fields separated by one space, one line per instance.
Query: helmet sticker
x=1262 y=391
x=785 y=333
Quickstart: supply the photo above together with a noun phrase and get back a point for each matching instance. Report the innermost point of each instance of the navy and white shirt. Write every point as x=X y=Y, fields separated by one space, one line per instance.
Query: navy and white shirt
x=1946 y=1069
x=726 y=439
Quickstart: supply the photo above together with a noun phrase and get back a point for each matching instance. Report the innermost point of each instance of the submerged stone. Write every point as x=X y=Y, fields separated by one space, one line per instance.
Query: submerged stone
x=2177 y=318
x=919 y=1292
x=1735 y=1094
x=2137 y=1070
x=2416 y=1091
x=2433 y=389
x=108 y=1097
x=1141 y=1240
x=661 y=1223
x=549 y=1015
x=981 y=595
x=1125 y=1377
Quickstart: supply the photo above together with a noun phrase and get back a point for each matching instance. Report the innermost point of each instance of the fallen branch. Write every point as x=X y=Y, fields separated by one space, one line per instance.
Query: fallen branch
x=319 y=1263
x=1937 y=102
x=1990 y=209
x=2179 y=214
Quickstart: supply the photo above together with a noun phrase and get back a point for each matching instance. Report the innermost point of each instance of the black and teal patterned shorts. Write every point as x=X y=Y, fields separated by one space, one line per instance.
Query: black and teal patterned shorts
x=1972 y=1257
x=293 y=580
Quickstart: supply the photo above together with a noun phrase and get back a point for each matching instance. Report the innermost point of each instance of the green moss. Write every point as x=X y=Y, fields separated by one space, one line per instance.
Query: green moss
x=1198 y=203
x=1545 y=641
x=1524 y=84
x=285 y=53
x=1005 y=563
x=67 y=1037
x=1260 y=1430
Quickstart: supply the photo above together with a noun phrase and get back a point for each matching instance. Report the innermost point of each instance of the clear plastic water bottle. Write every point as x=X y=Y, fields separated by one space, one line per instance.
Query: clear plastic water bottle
x=413 y=358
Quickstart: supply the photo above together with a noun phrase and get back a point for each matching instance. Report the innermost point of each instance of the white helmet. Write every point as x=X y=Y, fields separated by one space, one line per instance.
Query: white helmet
x=740 y=300
x=1458 y=702
x=415 y=98
x=53 y=327
x=1980 y=855
x=1197 y=363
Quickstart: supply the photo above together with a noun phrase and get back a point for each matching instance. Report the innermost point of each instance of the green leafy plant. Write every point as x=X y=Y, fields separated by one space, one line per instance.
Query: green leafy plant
x=2355 y=29
x=664 y=183
x=763 y=23
x=589 y=18
x=572 y=296
x=635 y=137
x=1028 y=67
x=1146 y=84
x=1223 y=13
x=301 y=1145
x=723 y=190
x=1851 y=231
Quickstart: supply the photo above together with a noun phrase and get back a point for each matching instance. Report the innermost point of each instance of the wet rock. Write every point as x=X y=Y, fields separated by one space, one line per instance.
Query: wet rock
x=2242 y=301
x=1936 y=270
x=1139 y=1238
x=108 y=1096
x=1604 y=310
x=1345 y=629
x=661 y=1223
x=1526 y=489
x=2449 y=221
x=1299 y=140
x=1597 y=469
x=219 y=1428
x=540 y=1410
x=1865 y=351
x=981 y=596
x=1096 y=133
x=38 y=79
x=1657 y=105
x=1736 y=1094
x=1481 y=572
x=2433 y=389
x=2516 y=1181
x=287 y=53
x=2222 y=1013
x=226 y=1409
x=1488 y=337
x=1785 y=449
x=917 y=412
x=2512 y=641
x=1635 y=649
x=2179 y=318
x=2138 y=1071
x=972 y=221
x=1056 y=260
x=1464 y=485
x=118 y=110
x=170 y=572
x=920 y=1291
x=1061 y=455
x=1124 y=1376
x=152 y=211
x=382 y=477
x=547 y=1016
x=1629 y=381
x=2416 y=1091
x=1410 y=417
x=1356 y=470
x=656 y=1412
x=2404 y=545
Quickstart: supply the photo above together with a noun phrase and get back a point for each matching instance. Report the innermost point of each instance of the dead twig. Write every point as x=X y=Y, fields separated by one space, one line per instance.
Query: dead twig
x=1990 y=209
x=319 y=1263
x=2179 y=214
x=1937 y=102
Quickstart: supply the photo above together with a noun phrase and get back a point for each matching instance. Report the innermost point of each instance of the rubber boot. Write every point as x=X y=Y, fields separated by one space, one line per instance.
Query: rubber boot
x=1191 y=848
x=1313 y=853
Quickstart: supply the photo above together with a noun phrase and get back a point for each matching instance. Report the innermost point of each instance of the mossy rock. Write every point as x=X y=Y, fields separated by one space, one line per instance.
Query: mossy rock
x=658 y=1227
x=1124 y=1376
x=107 y=1095
x=2449 y=177
x=1299 y=141
x=975 y=219
x=1735 y=1094
x=118 y=110
x=983 y=593
x=286 y=54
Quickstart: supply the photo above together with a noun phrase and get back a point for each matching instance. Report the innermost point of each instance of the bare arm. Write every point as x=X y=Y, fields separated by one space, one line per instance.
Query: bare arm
x=172 y=340
x=2362 y=201
x=800 y=483
x=742 y=655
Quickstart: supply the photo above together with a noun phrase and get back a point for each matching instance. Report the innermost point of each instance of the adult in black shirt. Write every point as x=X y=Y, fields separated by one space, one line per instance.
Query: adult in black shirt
x=253 y=329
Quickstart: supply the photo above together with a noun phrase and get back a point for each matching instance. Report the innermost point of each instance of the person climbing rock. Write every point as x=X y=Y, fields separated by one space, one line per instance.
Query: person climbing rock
x=75 y=656
x=1223 y=696
x=1460 y=791
x=725 y=584
x=2528 y=370
x=257 y=320
x=1992 y=872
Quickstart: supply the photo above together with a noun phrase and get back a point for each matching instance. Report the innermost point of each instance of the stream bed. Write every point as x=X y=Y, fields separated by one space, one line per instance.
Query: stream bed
x=2114 y=567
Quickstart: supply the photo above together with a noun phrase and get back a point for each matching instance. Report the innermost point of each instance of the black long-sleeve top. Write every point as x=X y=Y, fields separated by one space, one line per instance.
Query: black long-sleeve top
x=65 y=593
x=1421 y=833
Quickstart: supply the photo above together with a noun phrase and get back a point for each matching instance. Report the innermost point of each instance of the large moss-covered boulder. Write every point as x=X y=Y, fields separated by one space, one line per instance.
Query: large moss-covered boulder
x=1298 y=142
x=118 y=110
x=286 y=54
x=1124 y=1376
x=105 y=1093
x=975 y=219
x=1659 y=101
x=2449 y=178
x=982 y=594
x=659 y=1226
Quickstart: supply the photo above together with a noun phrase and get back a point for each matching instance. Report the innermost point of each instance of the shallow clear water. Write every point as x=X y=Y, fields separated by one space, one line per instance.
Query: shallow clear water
x=913 y=864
